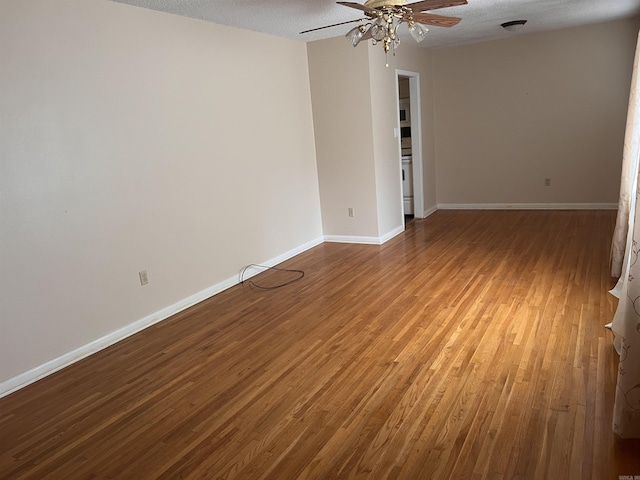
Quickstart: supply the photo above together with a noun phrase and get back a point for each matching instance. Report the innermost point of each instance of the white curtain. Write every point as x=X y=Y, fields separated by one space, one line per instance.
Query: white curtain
x=625 y=264
x=629 y=180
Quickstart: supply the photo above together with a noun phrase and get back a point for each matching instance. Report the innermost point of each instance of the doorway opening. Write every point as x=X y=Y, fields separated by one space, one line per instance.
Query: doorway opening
x=410 y=151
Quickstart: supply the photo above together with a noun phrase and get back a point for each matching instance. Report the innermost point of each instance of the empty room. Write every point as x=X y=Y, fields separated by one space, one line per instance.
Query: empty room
x=318 y=240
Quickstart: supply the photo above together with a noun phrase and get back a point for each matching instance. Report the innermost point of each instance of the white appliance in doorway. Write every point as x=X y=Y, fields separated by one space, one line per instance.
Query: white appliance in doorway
x=407 y=184
x=405 y=145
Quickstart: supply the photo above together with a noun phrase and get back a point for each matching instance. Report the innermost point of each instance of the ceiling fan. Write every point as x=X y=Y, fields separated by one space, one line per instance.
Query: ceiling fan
x=383 y=17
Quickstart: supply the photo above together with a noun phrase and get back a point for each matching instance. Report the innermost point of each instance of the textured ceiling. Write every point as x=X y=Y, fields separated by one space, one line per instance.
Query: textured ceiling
x=481 y=19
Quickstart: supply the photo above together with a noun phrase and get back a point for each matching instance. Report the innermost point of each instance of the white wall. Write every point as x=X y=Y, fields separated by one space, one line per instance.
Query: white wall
x=132 y=139
x=511 y=113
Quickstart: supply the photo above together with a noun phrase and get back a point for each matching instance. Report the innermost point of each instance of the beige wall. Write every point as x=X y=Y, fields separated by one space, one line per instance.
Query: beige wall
x=499 y=117
x=513 y=112
x=403 y=88
x=342 y=113
x=384 y=109
x=133 y=140
x=355 y=112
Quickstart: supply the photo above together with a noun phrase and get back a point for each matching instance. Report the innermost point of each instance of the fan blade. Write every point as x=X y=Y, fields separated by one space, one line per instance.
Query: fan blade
x=358 y=6
x=435 y=4
x=329 y=26
x=436 y=20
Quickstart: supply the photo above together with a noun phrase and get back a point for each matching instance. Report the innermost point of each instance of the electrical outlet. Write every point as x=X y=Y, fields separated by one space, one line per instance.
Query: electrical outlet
x=144 y=278
x=547 y=182
x=352 y=212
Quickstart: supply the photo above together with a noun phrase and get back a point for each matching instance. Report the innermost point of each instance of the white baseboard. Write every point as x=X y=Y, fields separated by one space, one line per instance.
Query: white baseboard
x=23 y=379
x=352 y=239
x=429 y=211
x=527 y=206
x=292 y=253
x=364 y=240
x=388 y=236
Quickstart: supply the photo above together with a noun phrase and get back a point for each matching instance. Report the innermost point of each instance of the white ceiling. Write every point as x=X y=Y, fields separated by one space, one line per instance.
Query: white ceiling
x=481 y=19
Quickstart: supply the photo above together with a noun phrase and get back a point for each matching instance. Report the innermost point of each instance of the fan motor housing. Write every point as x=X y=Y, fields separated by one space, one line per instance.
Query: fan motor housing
x=385 y=3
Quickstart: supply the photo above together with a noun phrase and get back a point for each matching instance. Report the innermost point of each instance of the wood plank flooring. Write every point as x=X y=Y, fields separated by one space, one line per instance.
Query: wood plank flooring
x=470 y=347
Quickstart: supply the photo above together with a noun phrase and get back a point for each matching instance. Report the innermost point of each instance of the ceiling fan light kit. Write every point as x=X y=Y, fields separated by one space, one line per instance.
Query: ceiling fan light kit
x=383 y=17
x=417 y=31
x=355 y=35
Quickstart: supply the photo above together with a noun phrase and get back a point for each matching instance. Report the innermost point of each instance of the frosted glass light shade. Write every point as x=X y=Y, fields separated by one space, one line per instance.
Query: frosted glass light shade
x=355 y=35
x=379 y=29
x=418 y=31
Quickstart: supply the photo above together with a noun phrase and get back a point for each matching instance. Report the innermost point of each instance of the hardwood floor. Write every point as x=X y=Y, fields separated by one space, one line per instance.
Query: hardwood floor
x=472 y=346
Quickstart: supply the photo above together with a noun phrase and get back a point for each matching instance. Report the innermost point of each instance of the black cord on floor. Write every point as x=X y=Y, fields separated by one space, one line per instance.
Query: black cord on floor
x=272 y=287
